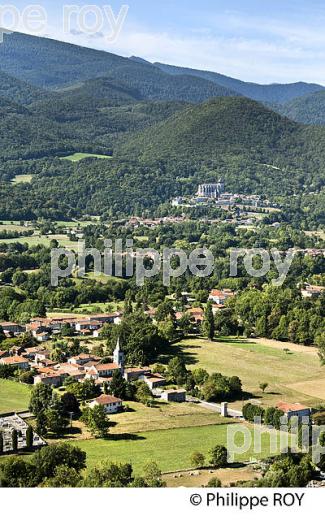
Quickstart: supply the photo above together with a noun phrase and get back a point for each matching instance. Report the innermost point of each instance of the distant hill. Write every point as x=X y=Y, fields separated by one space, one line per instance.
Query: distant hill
x=52 y=64
x=275 y=93
x=308 y=109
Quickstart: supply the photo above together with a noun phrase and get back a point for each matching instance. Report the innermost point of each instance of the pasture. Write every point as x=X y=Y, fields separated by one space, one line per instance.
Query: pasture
x=172 y=448
x=164 y=416
x=292 y=376
x=14 y=397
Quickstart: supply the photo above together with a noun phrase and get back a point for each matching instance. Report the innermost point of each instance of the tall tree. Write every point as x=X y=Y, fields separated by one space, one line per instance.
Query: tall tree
x=29 y=438
x=14 y=440
x=40 y=398
x=208 y=323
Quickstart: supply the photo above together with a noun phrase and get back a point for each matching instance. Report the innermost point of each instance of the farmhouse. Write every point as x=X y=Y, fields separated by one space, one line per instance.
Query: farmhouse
x=111 y=404
x=294 y=410
x=15 y=361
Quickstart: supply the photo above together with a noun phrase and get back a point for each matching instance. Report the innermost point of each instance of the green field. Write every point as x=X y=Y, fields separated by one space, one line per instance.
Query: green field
x=165 y=416
x=14 y=397
x=171 y=449
x=37 y=239
x=287 y=374
x=76 y=157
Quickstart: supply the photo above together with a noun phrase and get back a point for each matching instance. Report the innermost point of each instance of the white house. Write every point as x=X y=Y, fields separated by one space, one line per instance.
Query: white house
x=111 y=404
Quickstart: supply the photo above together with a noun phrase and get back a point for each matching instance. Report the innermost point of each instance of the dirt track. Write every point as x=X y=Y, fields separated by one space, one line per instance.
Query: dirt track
x=281 y=345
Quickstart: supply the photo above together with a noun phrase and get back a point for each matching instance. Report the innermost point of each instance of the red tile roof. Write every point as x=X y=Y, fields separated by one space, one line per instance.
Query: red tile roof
x=108 y=366
x=288 y=407
x=107 y=399
x=14 y=360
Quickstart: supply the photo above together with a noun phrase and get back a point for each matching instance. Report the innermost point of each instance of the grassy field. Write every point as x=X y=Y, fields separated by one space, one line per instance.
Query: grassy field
x=171 y=449
x=256 y=363
x=38 y=239
x=14 y=397
x=13 y=227
x=102 y=278
x=22 y=179
x=85 y=310
x=164 y=416
x=76 y=157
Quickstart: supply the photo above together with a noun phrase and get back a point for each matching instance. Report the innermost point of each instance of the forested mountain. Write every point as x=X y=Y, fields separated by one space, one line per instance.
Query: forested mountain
x=274 y=93
x=164 y=135
x=19 y=91
x=308 y=109
x=51 y=64
x=253 y=148
x=240 y=139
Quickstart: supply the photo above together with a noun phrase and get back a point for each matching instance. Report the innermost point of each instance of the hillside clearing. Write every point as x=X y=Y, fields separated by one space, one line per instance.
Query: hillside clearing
x=76 y=157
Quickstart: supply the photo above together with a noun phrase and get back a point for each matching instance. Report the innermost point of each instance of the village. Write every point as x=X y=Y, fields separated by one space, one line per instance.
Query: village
x=88 y=367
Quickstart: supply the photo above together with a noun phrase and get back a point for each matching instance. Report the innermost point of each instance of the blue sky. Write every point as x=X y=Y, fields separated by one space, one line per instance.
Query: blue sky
x=254 y=40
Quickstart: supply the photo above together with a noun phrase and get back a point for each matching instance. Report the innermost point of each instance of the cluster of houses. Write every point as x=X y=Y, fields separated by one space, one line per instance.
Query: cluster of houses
x=43 y=329
x=88 y=367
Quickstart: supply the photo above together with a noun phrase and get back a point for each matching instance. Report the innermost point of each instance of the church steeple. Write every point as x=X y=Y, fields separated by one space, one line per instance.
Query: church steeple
x=118 y=356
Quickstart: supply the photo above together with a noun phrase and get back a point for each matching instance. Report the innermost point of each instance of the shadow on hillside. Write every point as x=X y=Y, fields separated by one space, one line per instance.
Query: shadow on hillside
x=125 y=437
x=241 y=341
x=176 y=351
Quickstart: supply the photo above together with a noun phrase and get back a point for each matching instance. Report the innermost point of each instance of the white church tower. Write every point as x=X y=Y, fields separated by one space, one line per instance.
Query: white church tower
x=118 y=356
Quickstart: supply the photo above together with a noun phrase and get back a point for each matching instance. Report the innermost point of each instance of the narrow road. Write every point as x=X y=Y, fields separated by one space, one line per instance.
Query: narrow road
x=217 y=407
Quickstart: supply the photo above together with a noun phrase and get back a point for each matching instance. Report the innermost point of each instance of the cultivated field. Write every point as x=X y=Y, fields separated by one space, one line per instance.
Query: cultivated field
x=293 y=376
x=14 y=397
